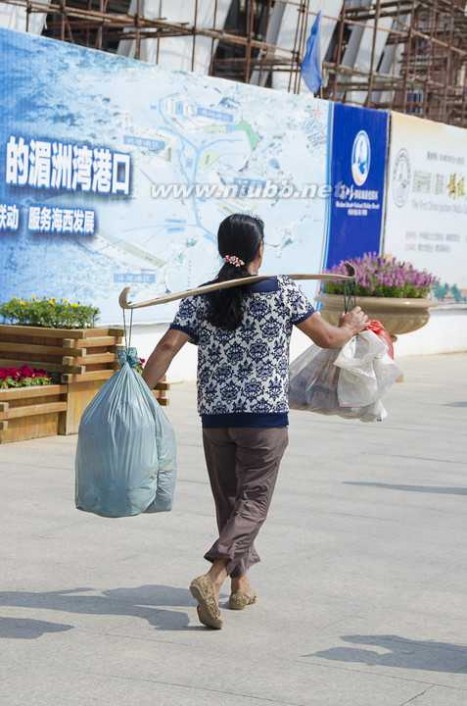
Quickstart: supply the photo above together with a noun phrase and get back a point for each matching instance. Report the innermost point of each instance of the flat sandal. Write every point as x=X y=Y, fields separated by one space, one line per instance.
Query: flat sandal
x=239 y=600
x=208 y=608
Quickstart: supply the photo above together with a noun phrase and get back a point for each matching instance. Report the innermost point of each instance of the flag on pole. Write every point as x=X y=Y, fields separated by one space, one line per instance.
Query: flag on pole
x=311 y=65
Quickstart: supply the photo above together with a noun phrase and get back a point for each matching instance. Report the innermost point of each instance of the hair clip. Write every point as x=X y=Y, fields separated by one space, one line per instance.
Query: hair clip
x=233 y=260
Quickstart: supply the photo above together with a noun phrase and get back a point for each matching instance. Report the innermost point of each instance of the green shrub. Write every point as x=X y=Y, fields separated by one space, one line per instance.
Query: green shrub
x=50 y=313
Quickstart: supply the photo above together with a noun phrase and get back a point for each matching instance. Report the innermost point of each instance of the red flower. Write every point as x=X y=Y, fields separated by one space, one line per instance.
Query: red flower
x=23 y=373
x=36 y=373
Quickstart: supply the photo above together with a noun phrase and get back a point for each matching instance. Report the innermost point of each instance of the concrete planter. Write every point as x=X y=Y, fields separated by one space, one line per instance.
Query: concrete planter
x=397 y=315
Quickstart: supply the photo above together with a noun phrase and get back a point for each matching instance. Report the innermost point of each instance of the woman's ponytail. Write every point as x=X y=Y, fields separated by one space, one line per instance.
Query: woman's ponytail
x=239 y=238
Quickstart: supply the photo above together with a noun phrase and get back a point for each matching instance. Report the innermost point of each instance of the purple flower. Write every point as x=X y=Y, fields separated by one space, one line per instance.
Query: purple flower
x=383 y=276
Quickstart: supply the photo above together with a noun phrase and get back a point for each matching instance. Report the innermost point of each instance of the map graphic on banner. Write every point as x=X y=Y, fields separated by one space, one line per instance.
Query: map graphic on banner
x=358 y=167
x=84 y=168
x=426 y=219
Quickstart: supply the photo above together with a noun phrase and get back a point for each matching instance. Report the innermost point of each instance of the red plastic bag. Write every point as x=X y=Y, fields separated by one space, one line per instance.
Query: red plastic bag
x=378 y=328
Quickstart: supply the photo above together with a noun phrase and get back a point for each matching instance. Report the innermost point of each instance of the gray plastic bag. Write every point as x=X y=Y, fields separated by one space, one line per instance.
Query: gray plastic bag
x=126 y=455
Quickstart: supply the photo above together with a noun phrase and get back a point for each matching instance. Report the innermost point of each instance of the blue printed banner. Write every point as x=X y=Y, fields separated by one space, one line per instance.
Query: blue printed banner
x=358 y=167
x=125 y=181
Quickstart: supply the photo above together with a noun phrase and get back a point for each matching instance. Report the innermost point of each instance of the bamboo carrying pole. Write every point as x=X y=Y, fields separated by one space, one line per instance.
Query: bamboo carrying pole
x=206 y=289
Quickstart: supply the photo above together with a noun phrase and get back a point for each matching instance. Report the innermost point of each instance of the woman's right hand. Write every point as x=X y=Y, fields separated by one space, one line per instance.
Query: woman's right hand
x=328 y=336
x=356 y=319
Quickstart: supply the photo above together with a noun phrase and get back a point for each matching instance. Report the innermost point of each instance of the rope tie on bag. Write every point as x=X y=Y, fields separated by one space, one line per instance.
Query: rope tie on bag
x=127 y=354
x=350 y=288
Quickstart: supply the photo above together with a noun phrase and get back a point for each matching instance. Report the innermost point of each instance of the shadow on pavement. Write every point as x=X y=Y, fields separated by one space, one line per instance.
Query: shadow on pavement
x=442 y=490
x=145 y=602
x=25 y=629
x=395 y=651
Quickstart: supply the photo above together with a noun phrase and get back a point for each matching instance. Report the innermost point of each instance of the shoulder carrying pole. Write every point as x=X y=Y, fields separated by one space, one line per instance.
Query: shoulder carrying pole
x=206 y=289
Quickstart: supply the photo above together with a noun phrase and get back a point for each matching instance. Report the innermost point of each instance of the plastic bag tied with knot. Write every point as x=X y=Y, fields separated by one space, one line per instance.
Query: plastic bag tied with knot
x=126 y=455
x=128 y=355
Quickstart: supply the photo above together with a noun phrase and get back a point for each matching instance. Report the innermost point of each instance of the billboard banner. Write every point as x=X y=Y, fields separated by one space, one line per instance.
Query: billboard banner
x=114 y=172
x=426 y=221
x=358 y=158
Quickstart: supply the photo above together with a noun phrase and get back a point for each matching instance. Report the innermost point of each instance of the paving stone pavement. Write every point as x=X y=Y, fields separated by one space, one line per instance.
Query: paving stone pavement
x=362 y=587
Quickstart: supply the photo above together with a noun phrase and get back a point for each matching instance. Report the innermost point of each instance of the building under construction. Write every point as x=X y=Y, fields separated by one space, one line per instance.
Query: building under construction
x=405 y=55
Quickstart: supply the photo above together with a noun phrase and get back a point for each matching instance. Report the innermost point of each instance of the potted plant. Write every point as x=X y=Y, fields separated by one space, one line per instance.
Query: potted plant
x=31 y=405
x=387 y=289
x=61 y=337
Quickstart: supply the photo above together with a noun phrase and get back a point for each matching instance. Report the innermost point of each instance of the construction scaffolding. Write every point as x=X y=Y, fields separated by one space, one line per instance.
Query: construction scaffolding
x=405 y=55
x=422 y=68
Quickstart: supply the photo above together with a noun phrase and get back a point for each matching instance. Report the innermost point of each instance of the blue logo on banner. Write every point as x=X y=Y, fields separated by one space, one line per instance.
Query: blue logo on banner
x=358 y=165
x=361 y=158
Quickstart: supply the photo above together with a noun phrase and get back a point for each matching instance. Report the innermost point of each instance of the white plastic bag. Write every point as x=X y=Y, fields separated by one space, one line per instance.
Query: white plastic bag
x=348 y=382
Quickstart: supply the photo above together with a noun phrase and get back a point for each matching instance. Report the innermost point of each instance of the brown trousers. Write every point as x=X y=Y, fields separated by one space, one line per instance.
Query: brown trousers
x=243 y=464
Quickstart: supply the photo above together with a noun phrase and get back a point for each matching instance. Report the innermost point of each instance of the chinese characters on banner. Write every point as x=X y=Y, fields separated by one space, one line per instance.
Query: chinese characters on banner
x=426 y=217
x=43 y=219
x=54 y=166
x=9 y=217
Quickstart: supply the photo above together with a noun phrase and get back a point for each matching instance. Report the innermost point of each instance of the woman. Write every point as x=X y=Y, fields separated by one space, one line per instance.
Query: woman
x=243 y=337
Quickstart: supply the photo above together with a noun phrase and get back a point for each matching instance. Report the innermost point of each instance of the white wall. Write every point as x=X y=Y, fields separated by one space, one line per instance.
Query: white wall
x=15 y=17
x=176 y=53
x=446 y=332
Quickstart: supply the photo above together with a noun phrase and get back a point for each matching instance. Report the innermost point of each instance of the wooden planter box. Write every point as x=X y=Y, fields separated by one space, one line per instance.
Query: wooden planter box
x=160 y=392
x=82 y=358
x=82 y=355
x=31 y=412
x=34 y=412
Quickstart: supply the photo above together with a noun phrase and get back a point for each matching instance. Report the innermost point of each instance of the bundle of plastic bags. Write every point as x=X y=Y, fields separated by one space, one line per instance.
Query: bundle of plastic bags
x=126 y=454
x=348 y=382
